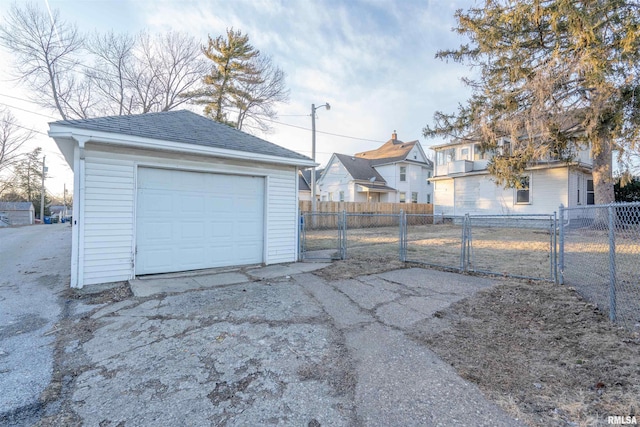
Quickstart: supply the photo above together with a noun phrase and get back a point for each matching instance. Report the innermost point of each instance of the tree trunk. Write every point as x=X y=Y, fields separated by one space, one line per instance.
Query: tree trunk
x=602 y=183
x=602 y=175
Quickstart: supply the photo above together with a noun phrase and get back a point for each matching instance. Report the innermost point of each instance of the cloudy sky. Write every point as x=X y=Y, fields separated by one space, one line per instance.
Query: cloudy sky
x=372 y=60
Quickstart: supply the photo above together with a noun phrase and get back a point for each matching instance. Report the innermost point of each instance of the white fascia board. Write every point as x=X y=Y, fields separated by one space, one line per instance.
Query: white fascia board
x=61 y=131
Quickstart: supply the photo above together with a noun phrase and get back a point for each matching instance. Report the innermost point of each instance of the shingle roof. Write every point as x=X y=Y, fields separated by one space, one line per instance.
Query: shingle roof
x=15 y=206
x=359 y=169
x=302 y=183
x=391 y=151
x=184 y=127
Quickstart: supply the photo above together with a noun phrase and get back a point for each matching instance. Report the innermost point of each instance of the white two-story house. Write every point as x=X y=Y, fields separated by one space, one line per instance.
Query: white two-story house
x=396 y=172
x=463 y=185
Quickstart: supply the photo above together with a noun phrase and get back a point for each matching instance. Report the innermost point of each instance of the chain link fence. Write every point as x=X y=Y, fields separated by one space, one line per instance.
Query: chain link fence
x=595 y=249
x=514 y=246
x=599 y=254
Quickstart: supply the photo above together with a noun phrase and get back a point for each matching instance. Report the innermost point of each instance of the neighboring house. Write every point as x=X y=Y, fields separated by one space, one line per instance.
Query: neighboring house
x=59 y=211
x=396 y=172
x=304 y=189
x=304 y=184
x=17 y=213
x=175 y=191
x=462 y=184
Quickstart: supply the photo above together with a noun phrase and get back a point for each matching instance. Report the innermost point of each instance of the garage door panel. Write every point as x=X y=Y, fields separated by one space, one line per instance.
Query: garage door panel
x=190 y=220
x=156 y=230
x=189 y=204
x=193 y=230
x=222 y=231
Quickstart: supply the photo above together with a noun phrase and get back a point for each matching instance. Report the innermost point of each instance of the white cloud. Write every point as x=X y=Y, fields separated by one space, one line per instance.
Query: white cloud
x=372 y=60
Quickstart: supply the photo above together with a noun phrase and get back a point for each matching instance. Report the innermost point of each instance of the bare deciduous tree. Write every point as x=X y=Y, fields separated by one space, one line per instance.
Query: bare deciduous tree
x=178 y=67
x=126 y=75
x=144 y=74
x=45 y=49
x=12 y=138
x=110 y=75
x=259 y=95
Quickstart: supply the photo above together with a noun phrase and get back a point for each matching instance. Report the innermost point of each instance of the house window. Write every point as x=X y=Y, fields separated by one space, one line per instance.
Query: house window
x=578 y=188
x=590 y=193
x=428 y=176
x=445 y=156
x=464 y=154
x=451 y=155
x=342 y=196
x=506 y=148
x=414 y=197
x=522 y=193
x=478 y=154
x=428 y=198
x=403 y=197
x=403 y=173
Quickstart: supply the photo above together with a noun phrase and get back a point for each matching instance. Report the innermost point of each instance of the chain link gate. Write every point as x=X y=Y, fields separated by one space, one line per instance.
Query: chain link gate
x=322 y=236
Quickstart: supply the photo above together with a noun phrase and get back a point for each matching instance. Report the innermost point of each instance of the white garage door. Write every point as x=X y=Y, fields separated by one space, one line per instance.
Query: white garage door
x=191 y=220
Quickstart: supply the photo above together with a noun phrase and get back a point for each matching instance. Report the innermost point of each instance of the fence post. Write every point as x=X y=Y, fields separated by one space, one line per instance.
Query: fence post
x=612 y=264
x=402 y=225
x=554 y=248
x=560 y=279
x=343 y=240
x=464 y=252
x=301 y=238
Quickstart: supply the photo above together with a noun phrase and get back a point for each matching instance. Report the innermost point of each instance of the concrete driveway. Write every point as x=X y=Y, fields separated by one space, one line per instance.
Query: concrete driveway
x=272 y=346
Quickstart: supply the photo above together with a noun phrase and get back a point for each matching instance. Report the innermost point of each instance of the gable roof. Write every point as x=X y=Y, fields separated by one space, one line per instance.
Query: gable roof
x=15 y=206
x=303 y=185
x=359 y=168
x=182 y=126
x=391 y=151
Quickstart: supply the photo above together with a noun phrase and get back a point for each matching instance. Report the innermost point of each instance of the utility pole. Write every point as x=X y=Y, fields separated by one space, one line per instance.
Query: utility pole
x=64 y=198
x=44 y=170
x=313 y=152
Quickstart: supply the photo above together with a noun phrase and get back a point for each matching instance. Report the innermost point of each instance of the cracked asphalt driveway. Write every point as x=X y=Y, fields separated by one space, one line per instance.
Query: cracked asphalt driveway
x=292 y=350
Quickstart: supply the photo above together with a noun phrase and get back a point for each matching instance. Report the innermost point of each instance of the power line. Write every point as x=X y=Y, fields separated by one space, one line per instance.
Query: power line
x=326 y=133
x=27 y=111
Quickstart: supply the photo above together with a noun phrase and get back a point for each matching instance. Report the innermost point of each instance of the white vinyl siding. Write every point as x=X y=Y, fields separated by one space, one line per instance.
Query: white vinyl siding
x=108 y=226
x=282 y=218
x=478 y=194
x=335 y=179
x=109 y=207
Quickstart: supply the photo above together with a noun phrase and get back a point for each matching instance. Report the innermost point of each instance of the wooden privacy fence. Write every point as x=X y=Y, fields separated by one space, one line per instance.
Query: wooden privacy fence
x=359 y=214
x=367 y=208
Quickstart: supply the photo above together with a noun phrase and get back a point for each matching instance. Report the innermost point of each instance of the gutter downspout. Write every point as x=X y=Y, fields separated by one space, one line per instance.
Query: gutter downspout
x=77 y=257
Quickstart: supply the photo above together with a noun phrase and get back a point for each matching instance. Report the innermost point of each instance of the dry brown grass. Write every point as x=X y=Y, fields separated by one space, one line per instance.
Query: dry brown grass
x=543 y=353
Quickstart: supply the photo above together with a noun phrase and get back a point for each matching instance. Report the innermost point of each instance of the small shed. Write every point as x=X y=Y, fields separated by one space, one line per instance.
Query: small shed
x=18 y=213
x=176 y=191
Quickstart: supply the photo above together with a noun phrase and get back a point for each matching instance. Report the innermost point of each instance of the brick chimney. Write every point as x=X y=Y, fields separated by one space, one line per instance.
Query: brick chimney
x=394 y=136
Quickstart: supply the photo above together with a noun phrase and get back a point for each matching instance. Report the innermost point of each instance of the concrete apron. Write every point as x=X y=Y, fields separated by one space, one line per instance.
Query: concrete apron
x=181 y=282
x=292 y=349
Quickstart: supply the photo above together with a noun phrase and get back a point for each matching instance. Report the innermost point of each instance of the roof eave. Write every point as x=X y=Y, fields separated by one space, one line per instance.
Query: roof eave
x=65 y=131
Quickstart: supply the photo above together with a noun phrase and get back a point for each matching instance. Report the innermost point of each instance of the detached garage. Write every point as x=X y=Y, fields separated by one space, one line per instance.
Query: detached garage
x=175 y=191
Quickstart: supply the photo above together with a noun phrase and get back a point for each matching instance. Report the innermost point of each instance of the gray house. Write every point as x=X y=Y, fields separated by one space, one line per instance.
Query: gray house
x=17 y=213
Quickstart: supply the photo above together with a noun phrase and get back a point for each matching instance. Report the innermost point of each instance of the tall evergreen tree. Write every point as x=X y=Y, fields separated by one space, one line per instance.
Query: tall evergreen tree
x=243 y=83
x=27 y=181
x=554 y=76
